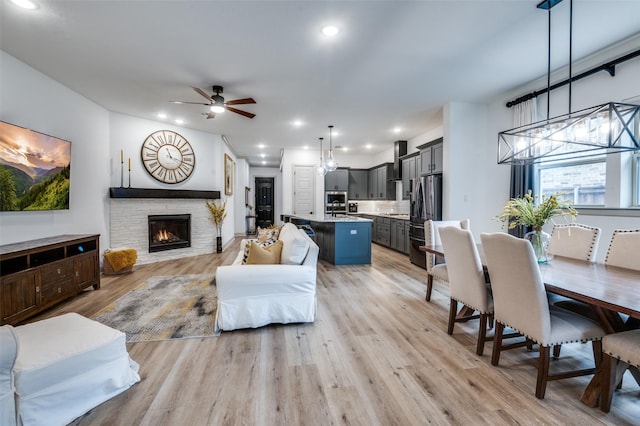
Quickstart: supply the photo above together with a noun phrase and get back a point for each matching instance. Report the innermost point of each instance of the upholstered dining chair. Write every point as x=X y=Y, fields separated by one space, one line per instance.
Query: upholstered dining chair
x=623 y=249
x=438 y=271
x=520 y=302
x=575 y=241
x=467 y=283
x=619 y=351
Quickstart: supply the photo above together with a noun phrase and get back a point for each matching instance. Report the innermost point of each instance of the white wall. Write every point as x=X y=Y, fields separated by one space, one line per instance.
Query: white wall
x=33 y=100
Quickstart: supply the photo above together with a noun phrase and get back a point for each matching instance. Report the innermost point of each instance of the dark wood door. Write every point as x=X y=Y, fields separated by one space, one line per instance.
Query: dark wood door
x=264 y=201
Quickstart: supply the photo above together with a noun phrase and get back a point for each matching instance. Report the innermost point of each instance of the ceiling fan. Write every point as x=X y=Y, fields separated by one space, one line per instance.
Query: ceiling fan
x=217 y=103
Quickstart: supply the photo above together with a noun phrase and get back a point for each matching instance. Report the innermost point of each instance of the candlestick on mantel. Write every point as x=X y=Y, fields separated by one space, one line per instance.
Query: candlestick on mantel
x=129 y=163
x=129 y=172
x=121 y=169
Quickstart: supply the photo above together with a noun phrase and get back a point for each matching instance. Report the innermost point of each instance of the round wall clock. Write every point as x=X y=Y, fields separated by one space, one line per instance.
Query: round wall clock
x=168 y=156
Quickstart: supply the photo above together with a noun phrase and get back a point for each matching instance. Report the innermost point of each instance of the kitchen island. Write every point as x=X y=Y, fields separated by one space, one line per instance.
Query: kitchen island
x=343 y=240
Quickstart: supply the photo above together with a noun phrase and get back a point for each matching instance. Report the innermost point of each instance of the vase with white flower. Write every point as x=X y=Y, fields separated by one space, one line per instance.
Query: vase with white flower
x=217 y=214
x=535 y=211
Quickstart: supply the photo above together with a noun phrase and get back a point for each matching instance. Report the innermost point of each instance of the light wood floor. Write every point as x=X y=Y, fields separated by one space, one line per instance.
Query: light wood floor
x=378 y=354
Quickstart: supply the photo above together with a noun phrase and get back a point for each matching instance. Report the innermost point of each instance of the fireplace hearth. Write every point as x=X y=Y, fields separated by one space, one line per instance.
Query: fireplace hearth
x=169 y=232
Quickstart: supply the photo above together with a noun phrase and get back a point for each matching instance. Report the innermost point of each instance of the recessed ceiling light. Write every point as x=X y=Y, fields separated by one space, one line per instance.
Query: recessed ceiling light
x=179 y=121
x=261 y=146
x=25 y=4
x=162 y=115
x=397 y=130
x=263 y=155
x=330 y=30
x=305 y=147
x=345 y=149
x=297 y=123
x=368 y=146
x=264 y=162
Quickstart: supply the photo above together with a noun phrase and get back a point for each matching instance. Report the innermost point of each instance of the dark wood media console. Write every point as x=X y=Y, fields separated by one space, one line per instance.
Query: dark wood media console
x=37 y=274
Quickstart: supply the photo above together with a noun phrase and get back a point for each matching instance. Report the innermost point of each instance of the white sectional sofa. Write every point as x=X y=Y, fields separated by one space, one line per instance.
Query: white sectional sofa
x=251 y=296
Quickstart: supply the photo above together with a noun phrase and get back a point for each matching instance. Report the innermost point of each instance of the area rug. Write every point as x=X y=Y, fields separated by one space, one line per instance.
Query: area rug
x=165 y=307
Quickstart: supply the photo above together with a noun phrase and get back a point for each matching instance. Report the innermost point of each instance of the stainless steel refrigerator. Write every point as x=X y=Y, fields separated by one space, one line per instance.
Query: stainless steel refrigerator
x=426 y=203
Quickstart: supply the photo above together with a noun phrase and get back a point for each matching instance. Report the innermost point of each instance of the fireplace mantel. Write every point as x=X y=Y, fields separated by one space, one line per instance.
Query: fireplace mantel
x=162 y=193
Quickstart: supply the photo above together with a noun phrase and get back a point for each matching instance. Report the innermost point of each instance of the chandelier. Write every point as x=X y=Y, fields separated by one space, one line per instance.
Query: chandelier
x=602 y=129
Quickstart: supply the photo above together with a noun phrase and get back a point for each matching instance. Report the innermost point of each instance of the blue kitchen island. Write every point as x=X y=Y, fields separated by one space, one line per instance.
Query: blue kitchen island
x=343 y=240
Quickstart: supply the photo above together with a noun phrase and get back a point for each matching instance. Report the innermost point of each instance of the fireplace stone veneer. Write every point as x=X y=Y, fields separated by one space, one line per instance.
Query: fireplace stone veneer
x=129 y=226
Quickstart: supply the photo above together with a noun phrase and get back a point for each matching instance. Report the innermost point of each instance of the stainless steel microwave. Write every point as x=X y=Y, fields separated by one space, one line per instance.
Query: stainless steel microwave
x=335 y=202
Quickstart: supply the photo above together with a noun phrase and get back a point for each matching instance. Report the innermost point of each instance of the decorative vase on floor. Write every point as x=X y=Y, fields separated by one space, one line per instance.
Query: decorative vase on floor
x=540 y=242
x=218 y=244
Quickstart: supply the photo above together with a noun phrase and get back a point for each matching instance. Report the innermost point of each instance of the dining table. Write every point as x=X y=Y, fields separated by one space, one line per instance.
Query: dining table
x=613 y=294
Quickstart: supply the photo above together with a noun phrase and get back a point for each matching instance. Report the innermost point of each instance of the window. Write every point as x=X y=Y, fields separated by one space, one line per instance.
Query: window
x=583 y=182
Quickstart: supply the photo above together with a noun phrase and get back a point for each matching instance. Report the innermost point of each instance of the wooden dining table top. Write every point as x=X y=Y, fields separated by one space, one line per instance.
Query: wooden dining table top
x=609 y=287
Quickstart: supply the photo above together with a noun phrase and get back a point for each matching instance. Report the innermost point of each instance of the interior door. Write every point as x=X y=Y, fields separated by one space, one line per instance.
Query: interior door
x=264 y=201
x=303 y=189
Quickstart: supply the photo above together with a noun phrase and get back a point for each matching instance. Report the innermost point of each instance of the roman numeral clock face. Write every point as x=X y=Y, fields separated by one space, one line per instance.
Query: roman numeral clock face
x=168 y=157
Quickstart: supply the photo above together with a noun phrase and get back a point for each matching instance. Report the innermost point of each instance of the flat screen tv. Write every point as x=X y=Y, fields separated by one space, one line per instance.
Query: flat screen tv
x=34 y=170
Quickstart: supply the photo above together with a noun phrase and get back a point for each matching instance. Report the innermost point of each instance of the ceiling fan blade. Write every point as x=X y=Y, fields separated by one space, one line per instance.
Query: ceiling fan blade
x=237 y=111
x=201 y=92
x=241 y=101
x=192 y=103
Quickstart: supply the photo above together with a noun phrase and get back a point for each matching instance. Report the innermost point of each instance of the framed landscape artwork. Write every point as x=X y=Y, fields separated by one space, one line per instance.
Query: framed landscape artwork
x=229 y=166
x=35 y=170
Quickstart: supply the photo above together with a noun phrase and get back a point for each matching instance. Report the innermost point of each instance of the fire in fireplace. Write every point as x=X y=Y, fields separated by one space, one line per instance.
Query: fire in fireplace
x=168 y=232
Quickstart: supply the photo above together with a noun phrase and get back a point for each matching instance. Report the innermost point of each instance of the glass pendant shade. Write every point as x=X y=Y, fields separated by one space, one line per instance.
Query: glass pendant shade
x=602 y=129
x=321 y=170
x=331 y=164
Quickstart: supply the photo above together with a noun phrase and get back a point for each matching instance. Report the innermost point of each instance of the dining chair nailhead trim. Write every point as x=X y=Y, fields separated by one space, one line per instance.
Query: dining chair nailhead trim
x=594 y=237
x=552 y=343
x=615 y=232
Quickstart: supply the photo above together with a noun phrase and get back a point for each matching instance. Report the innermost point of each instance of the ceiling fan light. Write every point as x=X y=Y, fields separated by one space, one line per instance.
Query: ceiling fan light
x=219 y=109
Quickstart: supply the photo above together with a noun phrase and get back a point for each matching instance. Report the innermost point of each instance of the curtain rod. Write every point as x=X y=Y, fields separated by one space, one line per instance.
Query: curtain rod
x=609 y=67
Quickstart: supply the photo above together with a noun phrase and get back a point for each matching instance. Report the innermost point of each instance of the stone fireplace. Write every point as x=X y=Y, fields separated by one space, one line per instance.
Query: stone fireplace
x=169 y=232
x=130 y=212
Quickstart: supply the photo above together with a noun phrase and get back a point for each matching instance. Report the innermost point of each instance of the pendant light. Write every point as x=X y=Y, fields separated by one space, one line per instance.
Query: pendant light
x=602 y=129
x=331 y=164
x=321 y=169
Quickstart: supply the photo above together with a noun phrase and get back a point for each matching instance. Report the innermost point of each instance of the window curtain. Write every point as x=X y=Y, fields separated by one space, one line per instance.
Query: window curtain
x=522 y=176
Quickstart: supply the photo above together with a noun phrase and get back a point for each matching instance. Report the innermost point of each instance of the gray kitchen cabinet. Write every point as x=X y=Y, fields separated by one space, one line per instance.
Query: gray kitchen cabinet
x=400 y=235
x=384 y=188
x=383 y=231
x=409 y=171
x=372 y=184
x=337 y=180
x=431 y=157
x=358 y=184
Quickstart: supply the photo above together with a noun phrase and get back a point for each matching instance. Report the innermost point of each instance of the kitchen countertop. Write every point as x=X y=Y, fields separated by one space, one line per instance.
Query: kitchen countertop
x=389 y=215
x=328 y=218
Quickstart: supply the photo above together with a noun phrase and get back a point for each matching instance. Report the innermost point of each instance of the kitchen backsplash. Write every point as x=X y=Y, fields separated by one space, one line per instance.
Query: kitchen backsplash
x=382 y=206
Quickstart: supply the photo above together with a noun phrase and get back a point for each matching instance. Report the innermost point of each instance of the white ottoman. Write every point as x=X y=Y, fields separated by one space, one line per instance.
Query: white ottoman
x=67 y=365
